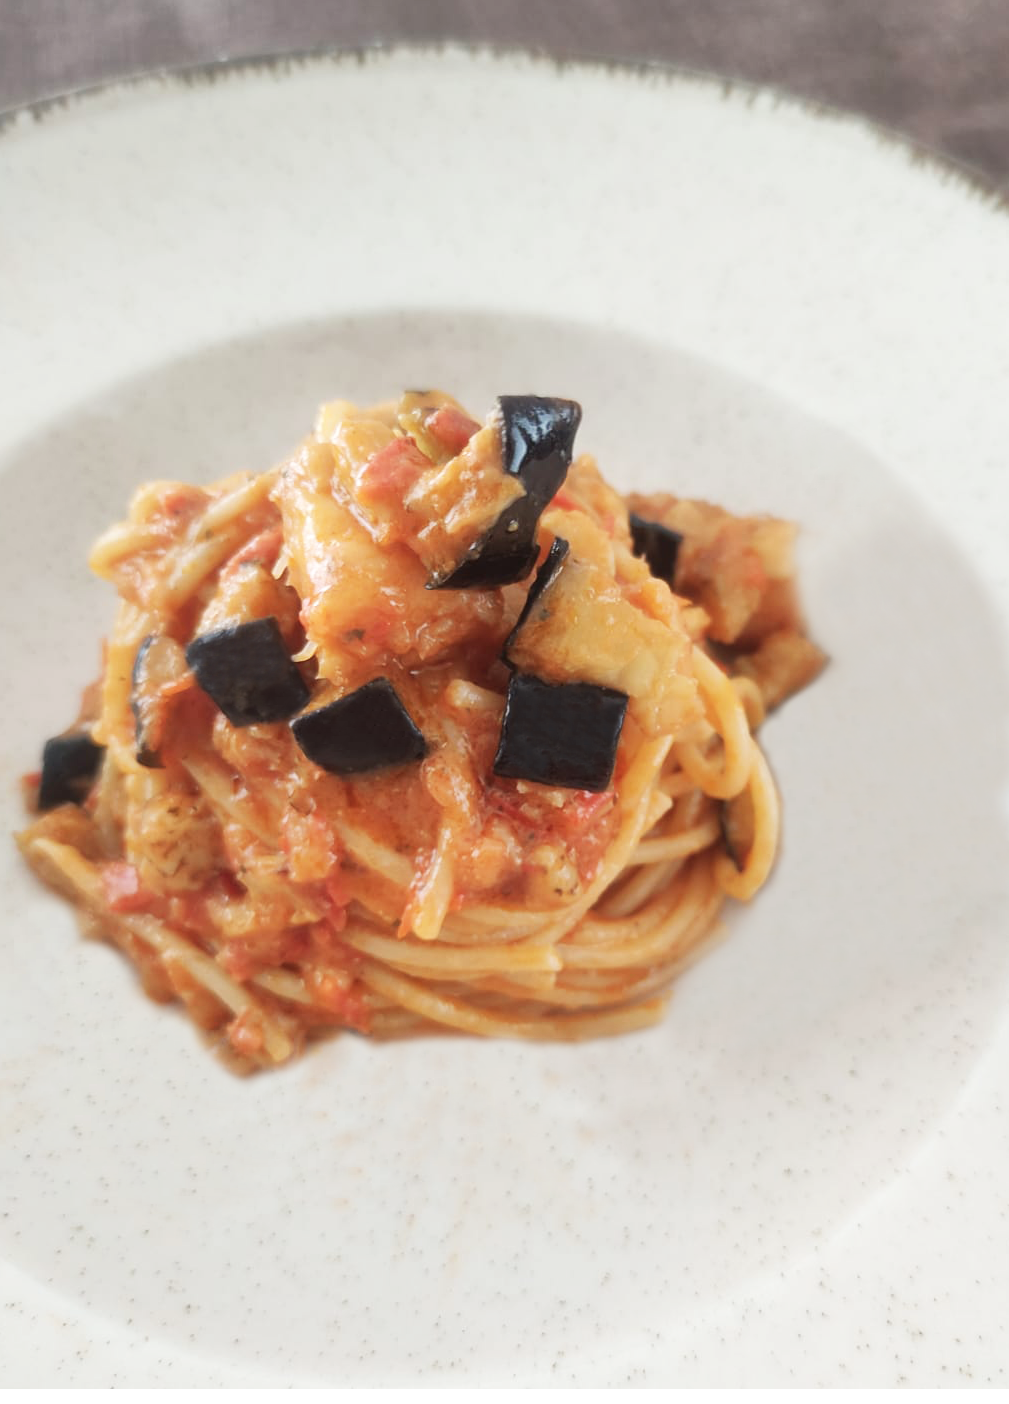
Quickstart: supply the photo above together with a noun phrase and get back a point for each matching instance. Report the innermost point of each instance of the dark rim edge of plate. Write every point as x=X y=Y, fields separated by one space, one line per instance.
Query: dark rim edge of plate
x=972 y=179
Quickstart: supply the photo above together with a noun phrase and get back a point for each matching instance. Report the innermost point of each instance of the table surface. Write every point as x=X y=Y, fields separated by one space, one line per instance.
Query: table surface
x=933 y=69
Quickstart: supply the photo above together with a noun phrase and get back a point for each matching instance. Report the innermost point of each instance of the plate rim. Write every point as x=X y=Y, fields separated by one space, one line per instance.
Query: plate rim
x=972 y=180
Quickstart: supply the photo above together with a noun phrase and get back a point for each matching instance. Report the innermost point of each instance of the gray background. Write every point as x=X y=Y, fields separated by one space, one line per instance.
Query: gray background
x=937 y=70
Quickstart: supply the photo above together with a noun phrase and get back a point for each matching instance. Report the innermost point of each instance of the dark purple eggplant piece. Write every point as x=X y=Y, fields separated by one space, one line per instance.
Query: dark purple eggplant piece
x=247 y=670
x=159 y=660
x=69 y=766
x=537 y=439
x=560 y=733
x=659 y=545
x=369 y=729
x=499 y=558
x=538 y=435
x=552 y=563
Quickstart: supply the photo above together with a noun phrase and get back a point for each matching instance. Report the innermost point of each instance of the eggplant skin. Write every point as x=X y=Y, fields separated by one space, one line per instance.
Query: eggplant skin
x=69 y=766
x=563 y=734
x=659 y=545
x=496 y=559
x=552 y=563
x=147 y=753
x=159 y=660
x=537 y=442
x=247 y=671
x=368 y=729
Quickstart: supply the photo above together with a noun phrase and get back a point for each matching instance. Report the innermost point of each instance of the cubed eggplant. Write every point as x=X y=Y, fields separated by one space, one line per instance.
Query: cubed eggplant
x=537 y=440
x=69 y=766
x=552 y=563
x=160 y=660
x=538 y=436
x=562 y=734
x=659 y=545
x=247 y=670
x=368 y=729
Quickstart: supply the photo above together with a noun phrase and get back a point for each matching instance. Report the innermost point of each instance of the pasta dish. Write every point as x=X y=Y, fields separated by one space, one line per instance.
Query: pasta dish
x=427 y=728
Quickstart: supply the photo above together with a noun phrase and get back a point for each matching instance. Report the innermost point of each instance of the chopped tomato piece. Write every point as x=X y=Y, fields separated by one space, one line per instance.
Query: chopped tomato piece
x=181 y=498
x=245 y=1034
x=451 y=428
x=356 y=1013
x=337 y=917
x=565 y=501
x=391 y=472
x=327 y=947
x=336 y=992
x=238 y=960
x=263 y=548
x=586 y=807
x=511 y=807
x=123 y=891
x=338 y=893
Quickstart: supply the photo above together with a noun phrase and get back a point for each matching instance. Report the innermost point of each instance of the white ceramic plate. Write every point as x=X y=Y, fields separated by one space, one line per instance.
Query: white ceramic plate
x=800 y=1177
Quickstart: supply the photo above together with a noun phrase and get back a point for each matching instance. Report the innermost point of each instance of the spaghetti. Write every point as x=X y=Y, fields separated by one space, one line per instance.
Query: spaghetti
x=356 y=766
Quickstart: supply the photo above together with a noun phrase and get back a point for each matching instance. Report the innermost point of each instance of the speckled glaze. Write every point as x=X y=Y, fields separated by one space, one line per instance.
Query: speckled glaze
x=800 y=1177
